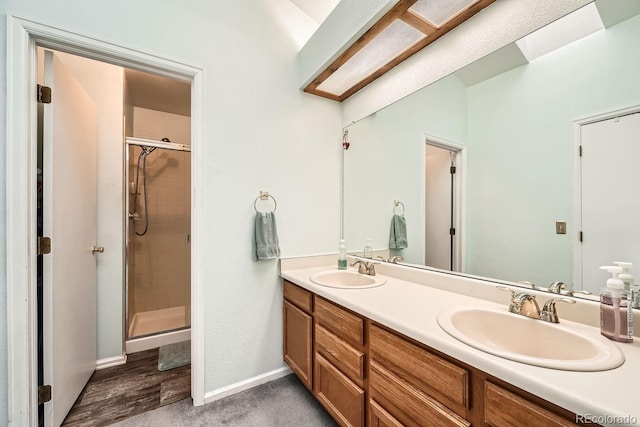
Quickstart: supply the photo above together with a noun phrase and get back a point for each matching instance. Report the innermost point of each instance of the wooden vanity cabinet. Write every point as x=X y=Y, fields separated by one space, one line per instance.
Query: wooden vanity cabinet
x=364 y=373
x=297 y=340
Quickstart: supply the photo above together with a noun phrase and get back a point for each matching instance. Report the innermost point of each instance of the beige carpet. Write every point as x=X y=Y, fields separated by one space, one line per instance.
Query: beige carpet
x=284 y=402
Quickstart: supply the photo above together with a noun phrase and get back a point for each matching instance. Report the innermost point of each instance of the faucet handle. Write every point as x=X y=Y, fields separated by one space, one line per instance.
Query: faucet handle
x=573 y=292
x=371 y=268
x=528 y=283
x=549 y=312
x=504 y=288
x=382 y=259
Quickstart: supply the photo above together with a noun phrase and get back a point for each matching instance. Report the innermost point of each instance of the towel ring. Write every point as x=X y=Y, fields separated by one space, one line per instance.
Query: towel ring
x=395 y=204
x=264 y=195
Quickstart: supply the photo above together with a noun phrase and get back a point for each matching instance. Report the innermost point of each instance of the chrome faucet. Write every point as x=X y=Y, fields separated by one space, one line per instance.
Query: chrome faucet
x=396 y=259
x=525 y=304
x=549 y=313
x=557 y=287
x=365 y=267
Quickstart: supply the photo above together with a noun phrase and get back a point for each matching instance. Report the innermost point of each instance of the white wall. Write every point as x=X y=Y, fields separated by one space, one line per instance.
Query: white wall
x=520 y=183
x=260 y=133
x=153 y=124
x=386 y=162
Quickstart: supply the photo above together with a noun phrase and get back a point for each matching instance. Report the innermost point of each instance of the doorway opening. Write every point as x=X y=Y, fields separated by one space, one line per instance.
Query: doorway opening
x=24 y=38
x=606 y=149
x=443 y=189
x=82 y=160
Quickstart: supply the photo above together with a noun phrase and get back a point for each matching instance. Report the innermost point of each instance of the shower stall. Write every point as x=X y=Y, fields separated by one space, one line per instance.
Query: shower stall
x=158 y=209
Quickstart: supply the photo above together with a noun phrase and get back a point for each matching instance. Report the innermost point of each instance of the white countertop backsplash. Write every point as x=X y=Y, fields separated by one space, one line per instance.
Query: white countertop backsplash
x=412 y=298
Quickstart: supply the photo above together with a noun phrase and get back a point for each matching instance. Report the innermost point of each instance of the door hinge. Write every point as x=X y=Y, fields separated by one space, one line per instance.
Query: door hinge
x=581 y=236
x=44 y=394
x=580 y=150
x=452 y=231
x=44 y=94
x=44 y=245
x=452 y=170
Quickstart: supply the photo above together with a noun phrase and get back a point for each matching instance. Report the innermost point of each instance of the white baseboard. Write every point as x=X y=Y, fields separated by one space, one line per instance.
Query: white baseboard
x=111 y=361
x=238 y=387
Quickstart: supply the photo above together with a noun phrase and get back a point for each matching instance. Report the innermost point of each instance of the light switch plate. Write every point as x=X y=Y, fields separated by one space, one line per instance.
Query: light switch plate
x=561 y=227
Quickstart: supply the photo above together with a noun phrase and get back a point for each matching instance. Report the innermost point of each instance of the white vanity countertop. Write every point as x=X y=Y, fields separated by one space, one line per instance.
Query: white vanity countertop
x=412 y=308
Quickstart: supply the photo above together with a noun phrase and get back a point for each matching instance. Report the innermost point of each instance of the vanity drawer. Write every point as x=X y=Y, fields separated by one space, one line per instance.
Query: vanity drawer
x=343 y=323
x=428 y=372
x=340 y=353
x=338 y=394
x=408 y=405
x=301 y=298
x=505 y=409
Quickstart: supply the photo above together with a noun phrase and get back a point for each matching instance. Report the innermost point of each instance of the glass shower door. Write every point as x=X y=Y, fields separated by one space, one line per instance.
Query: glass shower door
x=159 y=240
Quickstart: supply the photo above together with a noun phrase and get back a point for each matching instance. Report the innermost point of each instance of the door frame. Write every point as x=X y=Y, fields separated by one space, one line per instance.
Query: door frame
x=459 y=205
x=577 y=183
x=22 y=38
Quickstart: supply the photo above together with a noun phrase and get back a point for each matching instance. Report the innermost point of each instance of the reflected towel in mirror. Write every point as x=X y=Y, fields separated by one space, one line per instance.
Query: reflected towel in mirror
x=398 y=233
x=266 y=236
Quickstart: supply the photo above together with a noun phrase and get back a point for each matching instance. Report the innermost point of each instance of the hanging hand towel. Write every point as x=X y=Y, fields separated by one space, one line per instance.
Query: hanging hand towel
x=398 y=233
x=266 y=236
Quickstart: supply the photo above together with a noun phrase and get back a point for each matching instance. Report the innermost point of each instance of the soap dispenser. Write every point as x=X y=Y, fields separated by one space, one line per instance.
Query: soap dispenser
x=625 y=275
x=368 y=249
x=613 y=308
x=342 y=256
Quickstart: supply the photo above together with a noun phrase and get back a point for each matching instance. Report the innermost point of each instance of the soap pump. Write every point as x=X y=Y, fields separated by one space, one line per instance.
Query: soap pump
x=368 y=249
x=625 y=275
x=342 y=256
x=613 y=308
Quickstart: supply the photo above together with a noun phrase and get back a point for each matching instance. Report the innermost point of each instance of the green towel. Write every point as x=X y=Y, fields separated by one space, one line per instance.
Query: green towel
x=398 y=233
x=266 y=236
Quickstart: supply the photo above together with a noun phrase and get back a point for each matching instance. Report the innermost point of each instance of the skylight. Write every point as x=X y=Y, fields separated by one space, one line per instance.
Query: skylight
x=561 y=32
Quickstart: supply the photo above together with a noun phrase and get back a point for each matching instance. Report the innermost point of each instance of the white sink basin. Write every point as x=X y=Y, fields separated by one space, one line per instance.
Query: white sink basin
x=531 y=341
x=346 y=279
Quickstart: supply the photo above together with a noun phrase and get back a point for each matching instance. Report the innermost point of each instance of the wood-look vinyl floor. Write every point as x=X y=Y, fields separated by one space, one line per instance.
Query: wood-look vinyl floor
x=116 y=393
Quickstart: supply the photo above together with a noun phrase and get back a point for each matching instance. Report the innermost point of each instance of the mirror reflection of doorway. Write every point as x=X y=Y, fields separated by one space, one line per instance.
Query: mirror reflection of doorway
x=607 y=220
x=440 y=206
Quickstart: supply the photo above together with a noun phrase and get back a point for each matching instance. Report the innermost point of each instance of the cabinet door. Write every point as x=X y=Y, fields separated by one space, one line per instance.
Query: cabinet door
x=505 y=409
x=338 y=394
x=378 y=417
x=297 y=342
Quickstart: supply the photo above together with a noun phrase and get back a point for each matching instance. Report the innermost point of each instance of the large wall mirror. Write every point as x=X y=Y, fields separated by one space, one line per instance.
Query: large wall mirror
x=508 y=124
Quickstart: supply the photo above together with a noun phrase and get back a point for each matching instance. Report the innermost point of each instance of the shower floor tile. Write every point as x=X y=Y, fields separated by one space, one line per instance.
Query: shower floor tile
x=116 y=393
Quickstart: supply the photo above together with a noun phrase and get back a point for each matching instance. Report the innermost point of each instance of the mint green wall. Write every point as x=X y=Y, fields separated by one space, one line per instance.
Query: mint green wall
x=260 y=132
x=385 y=162
x=520 y=154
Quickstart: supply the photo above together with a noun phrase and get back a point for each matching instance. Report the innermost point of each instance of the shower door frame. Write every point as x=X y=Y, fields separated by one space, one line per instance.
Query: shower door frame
x=23 y=37
x=141 y=142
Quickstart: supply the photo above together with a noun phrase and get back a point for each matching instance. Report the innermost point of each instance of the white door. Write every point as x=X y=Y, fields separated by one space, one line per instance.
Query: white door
x=439 y=197
x=610 y=196
x=70 y=135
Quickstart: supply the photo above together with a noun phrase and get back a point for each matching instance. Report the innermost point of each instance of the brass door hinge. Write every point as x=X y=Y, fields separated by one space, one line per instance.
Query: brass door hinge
x=44 y=245
x=44 y=94
x=44 y=394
